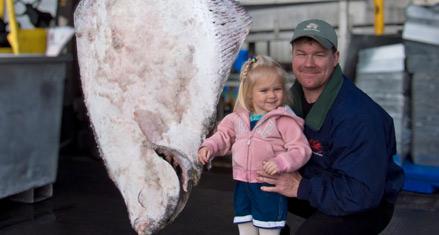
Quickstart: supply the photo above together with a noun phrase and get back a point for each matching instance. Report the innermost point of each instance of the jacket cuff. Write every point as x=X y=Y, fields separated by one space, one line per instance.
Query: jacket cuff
x=304 y=189
x=281 y=164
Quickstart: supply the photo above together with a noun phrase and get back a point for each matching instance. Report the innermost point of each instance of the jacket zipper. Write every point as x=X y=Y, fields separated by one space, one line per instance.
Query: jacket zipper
x=249 y=158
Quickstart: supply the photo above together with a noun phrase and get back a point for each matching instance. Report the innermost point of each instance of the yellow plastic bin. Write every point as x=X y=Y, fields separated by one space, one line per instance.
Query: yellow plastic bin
x=29 y=41
x=23 y=41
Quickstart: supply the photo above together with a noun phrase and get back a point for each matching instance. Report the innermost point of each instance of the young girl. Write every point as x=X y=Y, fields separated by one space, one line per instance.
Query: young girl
x=263 y=134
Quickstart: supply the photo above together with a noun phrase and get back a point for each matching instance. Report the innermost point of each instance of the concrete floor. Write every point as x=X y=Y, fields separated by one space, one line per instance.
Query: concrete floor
x=85 y=201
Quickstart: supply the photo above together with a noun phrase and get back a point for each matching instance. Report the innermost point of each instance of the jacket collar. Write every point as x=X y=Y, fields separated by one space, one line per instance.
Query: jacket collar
x=283 y=110
x=321 y=107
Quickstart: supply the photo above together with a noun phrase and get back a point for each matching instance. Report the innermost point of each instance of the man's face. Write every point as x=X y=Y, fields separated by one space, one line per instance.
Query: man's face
x=313 y=65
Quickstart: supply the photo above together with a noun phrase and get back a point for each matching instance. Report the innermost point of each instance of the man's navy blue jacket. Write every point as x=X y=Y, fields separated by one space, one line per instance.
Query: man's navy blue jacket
x=353 y=141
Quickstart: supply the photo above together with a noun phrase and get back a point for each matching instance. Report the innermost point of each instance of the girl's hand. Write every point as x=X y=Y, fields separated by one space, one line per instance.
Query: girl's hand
x=270 y=167
x=204 y=154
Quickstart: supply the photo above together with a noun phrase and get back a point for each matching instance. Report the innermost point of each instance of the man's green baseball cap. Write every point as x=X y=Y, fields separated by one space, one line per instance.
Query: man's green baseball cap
x=319 y=30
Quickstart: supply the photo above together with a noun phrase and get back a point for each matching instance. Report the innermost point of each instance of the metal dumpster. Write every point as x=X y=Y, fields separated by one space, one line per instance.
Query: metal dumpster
x=31 y=95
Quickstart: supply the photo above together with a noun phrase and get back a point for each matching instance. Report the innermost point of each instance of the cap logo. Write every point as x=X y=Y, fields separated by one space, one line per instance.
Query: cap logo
x=313 y=27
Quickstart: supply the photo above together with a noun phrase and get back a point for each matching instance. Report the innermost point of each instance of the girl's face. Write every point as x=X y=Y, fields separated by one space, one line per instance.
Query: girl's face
x=267 y=94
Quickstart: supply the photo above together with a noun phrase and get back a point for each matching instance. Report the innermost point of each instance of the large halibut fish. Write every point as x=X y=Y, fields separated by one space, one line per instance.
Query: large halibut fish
x=152 y=72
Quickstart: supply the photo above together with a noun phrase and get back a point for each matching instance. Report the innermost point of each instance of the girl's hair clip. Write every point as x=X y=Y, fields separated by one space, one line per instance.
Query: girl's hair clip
x=253 y=59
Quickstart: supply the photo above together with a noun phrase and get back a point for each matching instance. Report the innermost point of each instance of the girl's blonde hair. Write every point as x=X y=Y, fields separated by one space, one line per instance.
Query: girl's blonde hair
x=256 y=68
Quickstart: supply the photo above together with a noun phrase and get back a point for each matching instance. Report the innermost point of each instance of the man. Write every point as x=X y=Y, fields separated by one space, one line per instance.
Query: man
x=351 y=183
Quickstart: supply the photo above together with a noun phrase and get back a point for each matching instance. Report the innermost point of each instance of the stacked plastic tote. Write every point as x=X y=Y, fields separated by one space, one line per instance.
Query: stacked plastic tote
x=381 y=74
x=421 y=35
x=404 y=80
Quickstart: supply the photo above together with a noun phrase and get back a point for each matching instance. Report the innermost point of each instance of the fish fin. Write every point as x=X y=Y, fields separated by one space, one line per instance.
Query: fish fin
x=231 y=24
x=151 y=125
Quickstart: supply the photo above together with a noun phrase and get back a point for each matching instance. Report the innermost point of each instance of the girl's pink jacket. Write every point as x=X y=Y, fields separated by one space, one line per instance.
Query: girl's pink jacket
x=278 y=135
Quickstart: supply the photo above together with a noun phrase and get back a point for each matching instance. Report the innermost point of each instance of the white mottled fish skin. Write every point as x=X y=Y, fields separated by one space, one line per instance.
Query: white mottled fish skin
x=152 y=73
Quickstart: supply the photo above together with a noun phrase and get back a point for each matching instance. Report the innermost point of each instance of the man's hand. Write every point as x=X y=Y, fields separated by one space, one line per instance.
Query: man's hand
x=286 y=184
